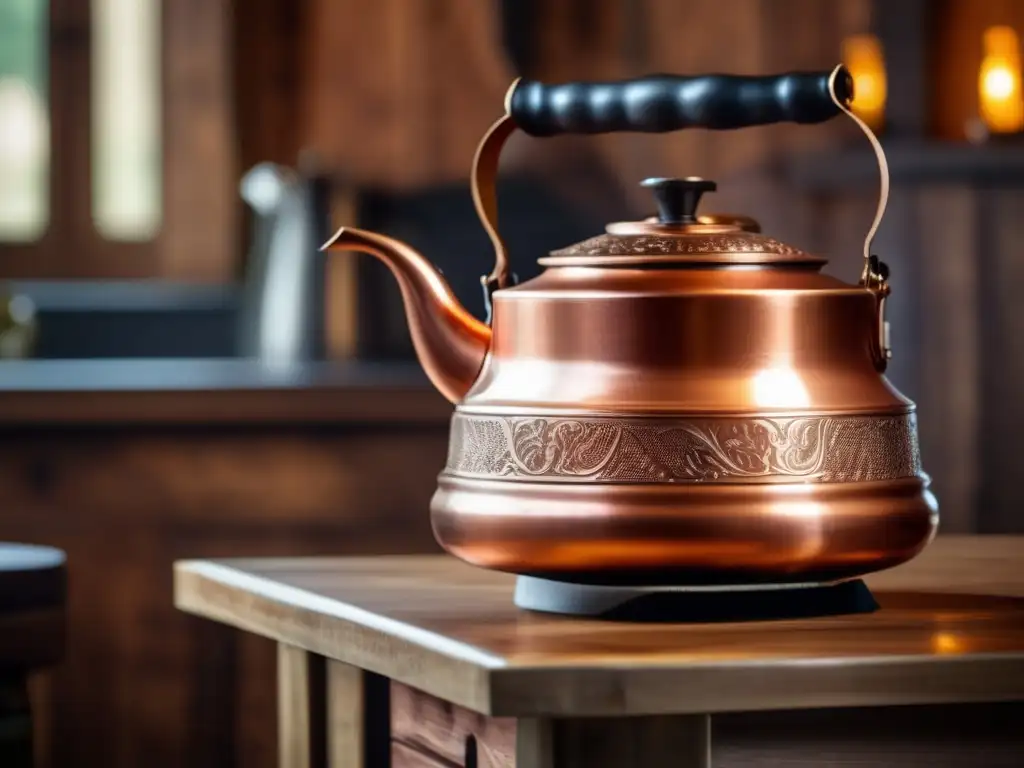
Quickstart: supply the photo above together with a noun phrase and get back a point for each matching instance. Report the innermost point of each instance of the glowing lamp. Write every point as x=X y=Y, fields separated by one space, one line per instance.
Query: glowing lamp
x=999 y=82
x=862 y=55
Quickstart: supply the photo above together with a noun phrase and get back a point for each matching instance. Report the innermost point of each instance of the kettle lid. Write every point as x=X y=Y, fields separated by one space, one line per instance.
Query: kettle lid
x=678 y=236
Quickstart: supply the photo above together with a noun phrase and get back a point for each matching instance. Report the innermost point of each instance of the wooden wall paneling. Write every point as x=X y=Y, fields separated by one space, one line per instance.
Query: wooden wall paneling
x=41 y=701
x=905 y=29
x=199 y=236
x=948 y=357
x=268 y=42
x=214 y=695
x=252 y=739
x=760 y=38
x=70 y=132
x=582 y=40
x=117 y=696
x=143 y=684
x=899 y=244
x=219 y=480
x=411 y=120
x=954 y=94
x=480 y=75
x=807 y=34
x=268 y=72
x=89 y=669
x=728 y=42
x=998 y=269
x=927 y=238
x=414 y=117
x=152 y=705
x=341 y=280
x=846 y=221
x=347 y=113
x=577 y=40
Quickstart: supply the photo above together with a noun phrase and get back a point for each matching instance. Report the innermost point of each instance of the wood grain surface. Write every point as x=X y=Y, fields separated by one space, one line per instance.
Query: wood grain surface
x=950 y=629
x=426 y=725
x=430 y=732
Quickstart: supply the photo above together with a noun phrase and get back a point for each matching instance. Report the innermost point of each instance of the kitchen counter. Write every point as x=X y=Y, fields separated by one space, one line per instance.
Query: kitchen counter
x=214 y=391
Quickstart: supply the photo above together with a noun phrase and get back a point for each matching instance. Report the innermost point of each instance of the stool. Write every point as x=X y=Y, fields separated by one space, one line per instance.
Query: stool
x=32 y=616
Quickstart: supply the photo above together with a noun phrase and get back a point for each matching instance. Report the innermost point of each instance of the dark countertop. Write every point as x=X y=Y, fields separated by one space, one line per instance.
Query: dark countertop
x=214 y=391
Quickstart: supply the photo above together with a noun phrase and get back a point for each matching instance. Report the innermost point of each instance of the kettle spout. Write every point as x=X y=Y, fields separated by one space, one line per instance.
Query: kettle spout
x=450 y=343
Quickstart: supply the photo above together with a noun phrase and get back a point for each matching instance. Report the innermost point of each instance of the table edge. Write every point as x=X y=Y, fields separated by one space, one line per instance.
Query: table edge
x=475 y=679
x=467 y=665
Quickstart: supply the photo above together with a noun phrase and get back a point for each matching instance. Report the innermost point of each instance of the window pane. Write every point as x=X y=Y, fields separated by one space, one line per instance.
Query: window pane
x=126 y=167
x=24 y=120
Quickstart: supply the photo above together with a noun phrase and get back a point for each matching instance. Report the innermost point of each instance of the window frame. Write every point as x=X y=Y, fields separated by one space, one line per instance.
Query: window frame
x=197 y=237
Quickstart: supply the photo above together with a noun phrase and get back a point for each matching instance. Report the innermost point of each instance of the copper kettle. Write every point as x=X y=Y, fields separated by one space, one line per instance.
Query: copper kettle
x=680 y=400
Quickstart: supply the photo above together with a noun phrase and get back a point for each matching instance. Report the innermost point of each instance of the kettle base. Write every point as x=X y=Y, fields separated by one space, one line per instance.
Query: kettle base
x=694 y=534
x=673 y=604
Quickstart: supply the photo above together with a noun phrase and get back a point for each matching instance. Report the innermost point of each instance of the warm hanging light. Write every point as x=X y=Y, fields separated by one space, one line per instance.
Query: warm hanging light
x=999 y=82
x=862 y=55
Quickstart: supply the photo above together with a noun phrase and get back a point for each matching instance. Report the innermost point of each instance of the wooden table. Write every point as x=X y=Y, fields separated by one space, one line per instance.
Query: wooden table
x=425 y=661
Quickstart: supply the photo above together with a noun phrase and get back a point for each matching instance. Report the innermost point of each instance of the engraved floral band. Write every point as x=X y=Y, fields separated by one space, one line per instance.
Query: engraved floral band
x=826 y=449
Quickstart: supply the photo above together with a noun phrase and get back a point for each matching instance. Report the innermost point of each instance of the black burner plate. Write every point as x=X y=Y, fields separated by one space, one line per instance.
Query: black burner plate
x=694 y=604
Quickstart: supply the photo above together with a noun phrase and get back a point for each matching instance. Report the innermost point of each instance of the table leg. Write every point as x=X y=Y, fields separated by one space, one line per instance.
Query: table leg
x=682 y=741
x=301 y=710
x=358 y=717
x=345 y=715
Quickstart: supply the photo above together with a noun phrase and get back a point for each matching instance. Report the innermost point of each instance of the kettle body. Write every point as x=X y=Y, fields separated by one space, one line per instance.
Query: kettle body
x=680 y=400
x=694 y=426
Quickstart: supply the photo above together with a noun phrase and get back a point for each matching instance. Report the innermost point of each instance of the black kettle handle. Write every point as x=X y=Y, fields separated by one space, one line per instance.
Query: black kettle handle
x=663 y=103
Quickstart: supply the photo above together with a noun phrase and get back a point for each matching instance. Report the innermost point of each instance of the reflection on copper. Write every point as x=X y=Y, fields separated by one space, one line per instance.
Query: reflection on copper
x=779 y=388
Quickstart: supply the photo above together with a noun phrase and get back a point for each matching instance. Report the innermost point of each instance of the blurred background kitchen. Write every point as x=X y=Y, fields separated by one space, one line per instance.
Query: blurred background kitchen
x=185 y=375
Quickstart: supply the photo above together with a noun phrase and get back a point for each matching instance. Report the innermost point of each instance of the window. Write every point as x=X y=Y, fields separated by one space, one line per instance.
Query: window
x=126 y=169
x=24 y=120
x=116 y=139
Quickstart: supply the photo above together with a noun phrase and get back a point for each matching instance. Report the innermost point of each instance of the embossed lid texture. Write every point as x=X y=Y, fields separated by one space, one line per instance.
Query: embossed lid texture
x=678 y=236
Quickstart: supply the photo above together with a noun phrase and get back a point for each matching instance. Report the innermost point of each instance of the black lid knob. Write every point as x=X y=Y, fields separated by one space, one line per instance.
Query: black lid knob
x=678 y=198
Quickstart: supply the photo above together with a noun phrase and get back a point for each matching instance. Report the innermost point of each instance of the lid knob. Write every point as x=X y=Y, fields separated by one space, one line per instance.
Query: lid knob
x=678 y=198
